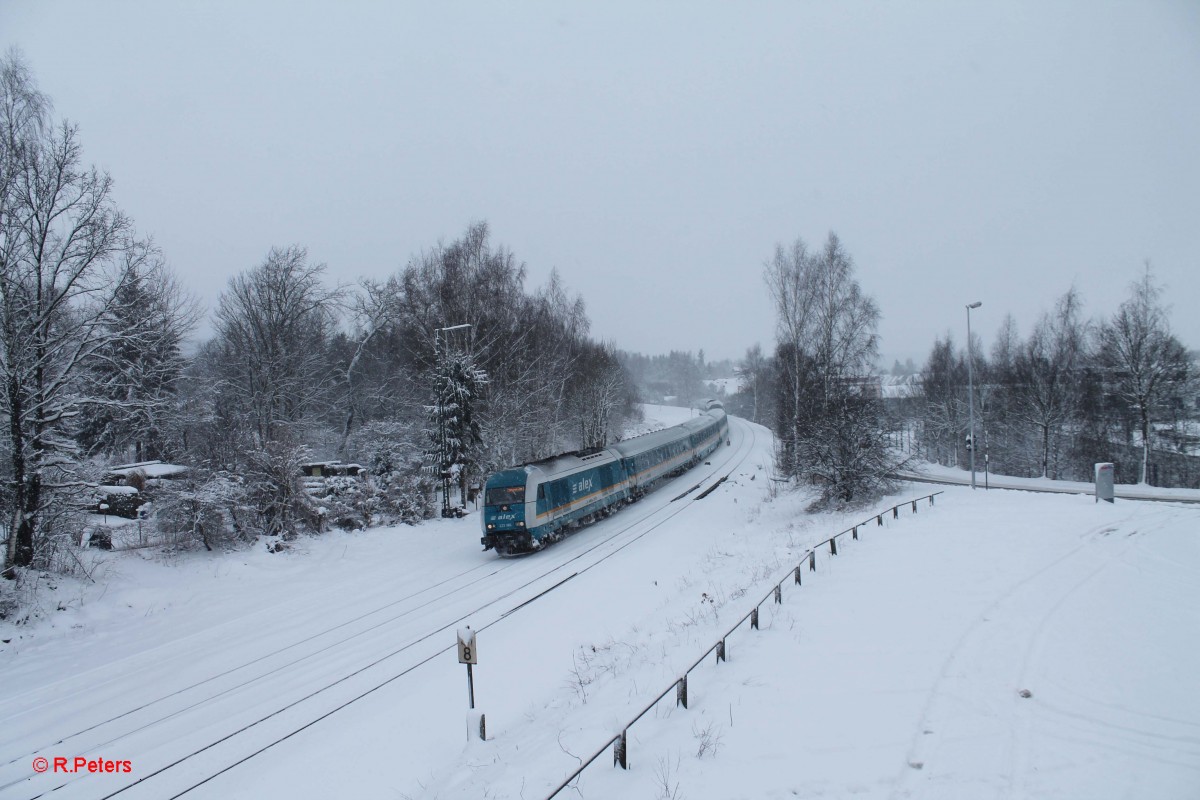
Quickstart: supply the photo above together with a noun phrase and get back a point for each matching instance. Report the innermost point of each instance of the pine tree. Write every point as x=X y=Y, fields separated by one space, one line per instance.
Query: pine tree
x=135 y=375
x=455 y=434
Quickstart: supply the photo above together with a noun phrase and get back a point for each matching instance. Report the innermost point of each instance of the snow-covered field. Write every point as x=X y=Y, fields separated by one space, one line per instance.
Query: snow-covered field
x=991 y=645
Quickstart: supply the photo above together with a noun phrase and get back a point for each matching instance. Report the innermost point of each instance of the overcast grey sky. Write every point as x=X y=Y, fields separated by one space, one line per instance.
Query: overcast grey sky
x=655 y=153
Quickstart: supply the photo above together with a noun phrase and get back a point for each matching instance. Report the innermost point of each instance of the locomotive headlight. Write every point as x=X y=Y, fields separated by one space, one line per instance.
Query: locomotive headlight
x=491 y=526
x=520 y=524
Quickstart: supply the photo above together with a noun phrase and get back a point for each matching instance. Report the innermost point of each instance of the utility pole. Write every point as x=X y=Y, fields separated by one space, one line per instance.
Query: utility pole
x=971 y=391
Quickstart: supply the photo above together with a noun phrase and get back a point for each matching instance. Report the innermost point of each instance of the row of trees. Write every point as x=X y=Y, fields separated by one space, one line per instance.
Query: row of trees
x=92 y=362
x=90 y=320
x=1072 y=393
x=675 y=378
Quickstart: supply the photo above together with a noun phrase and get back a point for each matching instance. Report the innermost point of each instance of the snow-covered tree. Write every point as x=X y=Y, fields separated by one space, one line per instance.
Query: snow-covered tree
x=274 y=323
x=1142 y=361
x=64 y=248
x=828 y=416
x=599 y=395
x=455 y=433
x=395 y=465
x=754 y=376
x=944 y=410
x=1047 y=374
x=133 y=382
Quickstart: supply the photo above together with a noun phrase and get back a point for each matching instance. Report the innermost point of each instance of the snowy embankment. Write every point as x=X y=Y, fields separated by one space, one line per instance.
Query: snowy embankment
x=992 y=646
x=962 y=477
x=995 y=644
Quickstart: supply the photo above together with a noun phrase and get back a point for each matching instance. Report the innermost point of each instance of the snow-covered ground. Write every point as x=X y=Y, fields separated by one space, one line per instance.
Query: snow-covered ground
x=995 y=644
x=1128 y=491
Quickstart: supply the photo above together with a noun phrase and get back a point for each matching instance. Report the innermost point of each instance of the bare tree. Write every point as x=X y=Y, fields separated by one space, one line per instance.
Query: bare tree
x=830 y=419
x=793 y=287
x=1143 y=363
x=599 y=395
x=1047 y=372
x=61 y=241
x=273 y=326
x=376 y=307
x=754 y=377
x=944 y=388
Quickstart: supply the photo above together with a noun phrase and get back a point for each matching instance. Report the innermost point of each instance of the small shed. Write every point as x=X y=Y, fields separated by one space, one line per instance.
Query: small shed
x=328 y=469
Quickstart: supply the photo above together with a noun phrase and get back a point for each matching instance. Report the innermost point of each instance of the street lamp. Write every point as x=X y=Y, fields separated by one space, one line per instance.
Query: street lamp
x=971 y=392
x=443 y=443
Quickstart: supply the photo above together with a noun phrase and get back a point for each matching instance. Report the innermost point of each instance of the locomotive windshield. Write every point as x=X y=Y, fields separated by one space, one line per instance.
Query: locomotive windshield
x=504 y=495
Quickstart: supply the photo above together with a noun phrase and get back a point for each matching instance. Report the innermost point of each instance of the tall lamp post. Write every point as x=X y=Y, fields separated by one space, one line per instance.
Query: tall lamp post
x=443 y=443
x=971 y=391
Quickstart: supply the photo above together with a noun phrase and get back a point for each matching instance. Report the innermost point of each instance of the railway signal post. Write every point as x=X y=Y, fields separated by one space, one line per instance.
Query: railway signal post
x=469 y=655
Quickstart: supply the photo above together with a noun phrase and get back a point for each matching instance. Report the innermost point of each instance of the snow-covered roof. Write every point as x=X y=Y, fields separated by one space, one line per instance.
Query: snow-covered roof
x=152 y=469
x=104 y=489
x=899 y=387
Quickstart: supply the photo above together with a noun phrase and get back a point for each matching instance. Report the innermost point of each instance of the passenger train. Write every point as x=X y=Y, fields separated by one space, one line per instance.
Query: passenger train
x=527 y=507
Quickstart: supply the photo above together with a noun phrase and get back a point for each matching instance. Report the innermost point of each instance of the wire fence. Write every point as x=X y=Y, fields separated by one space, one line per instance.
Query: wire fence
x=620 y=742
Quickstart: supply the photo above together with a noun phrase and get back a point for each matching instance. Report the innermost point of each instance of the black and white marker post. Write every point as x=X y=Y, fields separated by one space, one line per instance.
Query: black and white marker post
x=467 y=654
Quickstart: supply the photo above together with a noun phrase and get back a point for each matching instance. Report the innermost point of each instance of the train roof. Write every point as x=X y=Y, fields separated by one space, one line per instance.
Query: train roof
x=649 y=441
x=563 y=463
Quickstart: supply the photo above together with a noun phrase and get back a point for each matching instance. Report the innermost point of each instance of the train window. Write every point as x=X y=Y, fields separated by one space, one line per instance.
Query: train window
x=504 y=495
x=541 y=495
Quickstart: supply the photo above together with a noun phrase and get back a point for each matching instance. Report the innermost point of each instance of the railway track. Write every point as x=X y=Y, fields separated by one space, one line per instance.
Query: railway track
x=270 y=698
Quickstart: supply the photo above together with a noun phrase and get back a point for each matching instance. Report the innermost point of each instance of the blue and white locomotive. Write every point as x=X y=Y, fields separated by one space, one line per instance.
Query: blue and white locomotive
x=527 y=507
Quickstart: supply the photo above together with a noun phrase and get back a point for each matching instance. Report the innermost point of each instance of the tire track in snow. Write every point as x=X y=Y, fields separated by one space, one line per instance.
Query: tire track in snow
x=977 y=642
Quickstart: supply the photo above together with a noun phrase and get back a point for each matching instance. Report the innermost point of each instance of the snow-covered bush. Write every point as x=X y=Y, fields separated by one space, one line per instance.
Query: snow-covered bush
x=205 y=508
x=401 y=491
x=275 y=490
x=348 y=502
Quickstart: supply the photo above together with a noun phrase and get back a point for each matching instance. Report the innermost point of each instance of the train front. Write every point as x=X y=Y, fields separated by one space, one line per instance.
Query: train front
x=504 y=513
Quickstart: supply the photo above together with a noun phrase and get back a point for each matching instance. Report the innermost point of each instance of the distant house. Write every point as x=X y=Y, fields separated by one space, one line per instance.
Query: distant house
x=118 y=497
x=899 y=392
x=864 y=386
